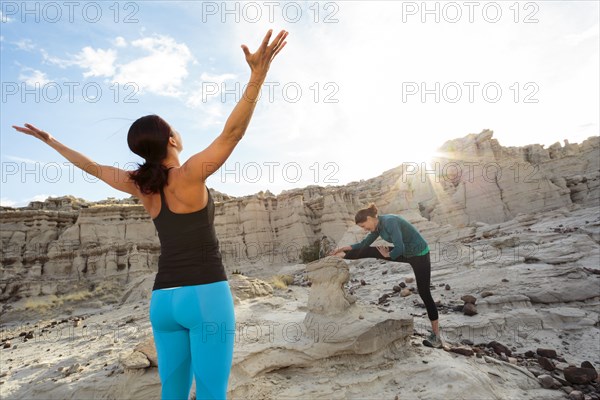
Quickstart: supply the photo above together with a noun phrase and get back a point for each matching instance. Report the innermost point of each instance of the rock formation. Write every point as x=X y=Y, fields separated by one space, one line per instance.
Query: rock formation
x=66 y=244
x=515 y=229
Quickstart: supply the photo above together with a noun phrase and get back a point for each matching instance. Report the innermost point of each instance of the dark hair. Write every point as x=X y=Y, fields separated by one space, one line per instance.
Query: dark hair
x=362 y=214
x=148 y=138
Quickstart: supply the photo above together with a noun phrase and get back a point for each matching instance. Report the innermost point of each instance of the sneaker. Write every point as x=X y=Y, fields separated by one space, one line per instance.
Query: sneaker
x=433 y=341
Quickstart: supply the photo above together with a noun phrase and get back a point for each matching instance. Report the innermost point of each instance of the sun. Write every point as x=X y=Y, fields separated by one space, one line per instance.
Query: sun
x=419 y=155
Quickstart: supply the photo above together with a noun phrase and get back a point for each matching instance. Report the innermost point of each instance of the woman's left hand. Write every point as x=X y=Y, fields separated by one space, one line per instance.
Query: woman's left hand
x=33 y=131
x=384 y=250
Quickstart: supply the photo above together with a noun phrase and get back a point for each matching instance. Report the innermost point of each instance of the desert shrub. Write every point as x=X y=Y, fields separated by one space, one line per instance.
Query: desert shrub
x=281 y=281
x=310 y=253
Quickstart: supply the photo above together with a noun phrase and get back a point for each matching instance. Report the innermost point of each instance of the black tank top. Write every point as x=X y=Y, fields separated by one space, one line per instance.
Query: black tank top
x=189 y=248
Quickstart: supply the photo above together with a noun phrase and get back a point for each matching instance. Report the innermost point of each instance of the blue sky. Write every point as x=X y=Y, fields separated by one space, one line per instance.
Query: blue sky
x=344 y=98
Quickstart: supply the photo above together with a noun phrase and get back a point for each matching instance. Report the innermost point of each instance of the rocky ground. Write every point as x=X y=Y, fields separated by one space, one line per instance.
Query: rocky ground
x=519 y=322
x=515 y=250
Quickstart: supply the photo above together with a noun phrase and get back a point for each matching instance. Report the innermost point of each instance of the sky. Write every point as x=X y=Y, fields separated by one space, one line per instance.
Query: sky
x=360 y=87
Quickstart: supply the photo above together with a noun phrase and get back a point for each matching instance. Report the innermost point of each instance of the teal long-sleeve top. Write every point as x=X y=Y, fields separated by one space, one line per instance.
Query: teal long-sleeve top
x=393 y=228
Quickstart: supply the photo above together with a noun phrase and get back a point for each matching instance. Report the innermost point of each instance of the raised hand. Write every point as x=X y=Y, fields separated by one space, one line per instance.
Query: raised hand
x=260 y=60
x=33 y=131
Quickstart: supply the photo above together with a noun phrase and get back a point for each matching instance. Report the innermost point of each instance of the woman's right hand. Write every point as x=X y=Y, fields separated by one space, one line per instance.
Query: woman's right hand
x=260 y=60
x=339 y=250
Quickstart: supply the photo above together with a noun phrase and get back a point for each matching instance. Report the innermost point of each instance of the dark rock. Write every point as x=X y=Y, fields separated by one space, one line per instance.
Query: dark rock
x=468 y=342
x=504 y=280
x=397 y=288
x=465 y=351
x=587 y=364
x=567 y=389
x=580 y=376
x=383 y=298
x=558 y=378
x=546 y=364
x=576 y=395
x=362 y=282
x=499 y=348
x=402 y=285
x=467 y=298
x=469 y=309
x=548 y=353
x=536 y=371
x=447 y=287
x=546 y=381
x=529 y=354
x=384 y=272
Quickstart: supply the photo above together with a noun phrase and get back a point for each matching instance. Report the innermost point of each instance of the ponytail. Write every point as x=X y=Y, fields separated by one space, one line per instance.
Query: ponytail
x=148 y=137
x=362 y=214
x=149 y=177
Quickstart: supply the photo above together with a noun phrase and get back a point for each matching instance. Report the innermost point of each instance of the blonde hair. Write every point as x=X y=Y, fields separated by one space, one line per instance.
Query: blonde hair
x=362 y=214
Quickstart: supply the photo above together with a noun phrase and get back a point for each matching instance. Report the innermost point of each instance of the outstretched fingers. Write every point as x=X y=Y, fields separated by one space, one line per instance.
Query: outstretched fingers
x=278 y=50
x=33 y=128
x=33 y=131
x=26 y=129
x=277 y=42
x=265 y=41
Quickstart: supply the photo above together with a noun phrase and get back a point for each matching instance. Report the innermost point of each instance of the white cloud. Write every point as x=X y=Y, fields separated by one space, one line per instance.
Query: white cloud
x=206 y=77
x=574 y=39
x=97 y=62
x=40 y=197
x=213 y=114
x=48 y=59
x=207 y=94
x=25 y=44
x=6 y=202
x=32 y=76
x=120 y=42
x=4 y=18
x=162 y=71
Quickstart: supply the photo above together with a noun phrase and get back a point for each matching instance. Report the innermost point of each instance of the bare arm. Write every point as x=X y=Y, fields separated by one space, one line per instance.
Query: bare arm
x=370 y=238
x=115 y=177
x=201 y=165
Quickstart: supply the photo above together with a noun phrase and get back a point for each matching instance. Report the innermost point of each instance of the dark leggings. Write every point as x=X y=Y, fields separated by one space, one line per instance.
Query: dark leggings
x=421 y=266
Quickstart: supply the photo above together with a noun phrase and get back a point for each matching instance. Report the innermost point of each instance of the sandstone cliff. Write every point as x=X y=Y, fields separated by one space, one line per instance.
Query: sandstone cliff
x=66 y=244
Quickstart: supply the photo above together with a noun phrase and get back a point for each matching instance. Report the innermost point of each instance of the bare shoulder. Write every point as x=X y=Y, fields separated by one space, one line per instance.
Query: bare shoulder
x=184 y=194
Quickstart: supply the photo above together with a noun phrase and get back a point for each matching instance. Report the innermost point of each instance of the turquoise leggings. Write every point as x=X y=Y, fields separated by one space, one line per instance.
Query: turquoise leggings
x=194 y=331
